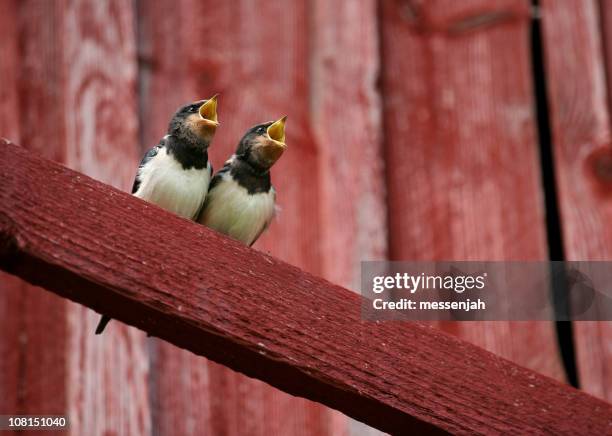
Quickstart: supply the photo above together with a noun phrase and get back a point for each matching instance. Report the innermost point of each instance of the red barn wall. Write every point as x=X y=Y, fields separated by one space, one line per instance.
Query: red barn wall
x=576 y=55
x=462 y=155
x=73 y=75
x=412 y=135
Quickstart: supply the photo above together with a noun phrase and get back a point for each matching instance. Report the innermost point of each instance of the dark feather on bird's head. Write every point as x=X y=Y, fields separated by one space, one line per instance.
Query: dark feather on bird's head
x=195 y=123
x=262 y=145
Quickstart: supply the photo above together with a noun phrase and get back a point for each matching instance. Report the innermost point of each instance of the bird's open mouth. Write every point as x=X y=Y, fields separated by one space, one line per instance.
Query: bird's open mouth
x=208 y=110
x=272 y=147
x=276 y=131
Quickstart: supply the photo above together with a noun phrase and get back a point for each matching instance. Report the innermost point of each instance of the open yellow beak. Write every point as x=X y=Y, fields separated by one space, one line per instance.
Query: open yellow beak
x=208 y=110
x=276 y=131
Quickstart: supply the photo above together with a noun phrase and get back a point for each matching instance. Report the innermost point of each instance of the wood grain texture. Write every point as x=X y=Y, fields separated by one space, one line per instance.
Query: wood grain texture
x=263 y=317
x=181 y=389
x=76 y=78
x=266 y=77
x=461 y=150
x=580 y=118
x=11 y=288
x=42 y=364
x=261 y=72
x=346 y=122
x=345 y=117
x=107 y=380
x=9 y=71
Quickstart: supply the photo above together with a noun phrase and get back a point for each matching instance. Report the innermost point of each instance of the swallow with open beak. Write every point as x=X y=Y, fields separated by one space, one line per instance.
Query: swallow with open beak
x=241 y=200
x=175 y=174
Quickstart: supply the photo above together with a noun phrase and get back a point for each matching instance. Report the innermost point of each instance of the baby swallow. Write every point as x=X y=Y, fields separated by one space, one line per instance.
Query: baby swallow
x=240 y=200
x=175 y=174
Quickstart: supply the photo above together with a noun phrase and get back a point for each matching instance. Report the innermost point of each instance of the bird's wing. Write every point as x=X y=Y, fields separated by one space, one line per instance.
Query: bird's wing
x=147 y=157
x=196 y=216
x=267 y=223
x=218 y=177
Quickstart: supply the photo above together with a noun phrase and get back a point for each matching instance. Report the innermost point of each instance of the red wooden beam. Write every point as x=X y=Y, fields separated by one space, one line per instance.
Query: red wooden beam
x=217 y=298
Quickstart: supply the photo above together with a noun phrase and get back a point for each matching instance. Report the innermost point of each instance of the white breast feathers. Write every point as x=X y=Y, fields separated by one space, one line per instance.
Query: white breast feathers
x=164 y=182
x=230 y=209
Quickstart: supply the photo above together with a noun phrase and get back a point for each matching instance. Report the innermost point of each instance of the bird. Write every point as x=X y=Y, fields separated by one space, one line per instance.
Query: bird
x=241 y=199
x=175 y=174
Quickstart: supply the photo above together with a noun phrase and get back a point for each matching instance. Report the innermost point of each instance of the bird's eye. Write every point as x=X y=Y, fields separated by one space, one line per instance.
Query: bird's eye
x=261 y=130
x=193 y=109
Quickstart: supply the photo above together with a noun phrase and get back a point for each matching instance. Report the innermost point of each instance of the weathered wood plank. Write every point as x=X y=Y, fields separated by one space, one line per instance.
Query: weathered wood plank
x=260 y=316
x=11 y=288
x=462 y=156
x=77 y=80
x=274 y=62
x=9 y=71
x=108 y=375
x=345 y=118
x=181 y=386
x=41 y=366
x=346 y=123
x=580 y=121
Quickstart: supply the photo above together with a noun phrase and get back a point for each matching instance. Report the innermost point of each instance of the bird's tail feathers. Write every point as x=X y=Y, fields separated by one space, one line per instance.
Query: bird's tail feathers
x=102 y=324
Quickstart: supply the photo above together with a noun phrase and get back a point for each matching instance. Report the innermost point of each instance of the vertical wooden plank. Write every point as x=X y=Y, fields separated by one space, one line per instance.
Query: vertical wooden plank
x=462 y=155
x=42 y=365
x=180 y=381
x=77 y=80
x=100 y=72
x=346 y=122
x=9 y=70
x=263 y=72
x=605 y=20
x=580 y=119
x=11 y=288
